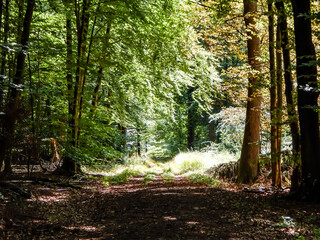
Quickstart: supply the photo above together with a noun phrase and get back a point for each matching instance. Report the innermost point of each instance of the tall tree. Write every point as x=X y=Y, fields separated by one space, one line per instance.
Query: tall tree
x=249 y=164
x=273 y=97
x=291 y=105
x=276 y=163
x=307 y=99
x=11 y=113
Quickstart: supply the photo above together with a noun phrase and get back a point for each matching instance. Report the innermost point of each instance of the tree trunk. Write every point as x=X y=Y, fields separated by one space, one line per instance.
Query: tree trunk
x=11 y=112
x=138 y=142
x=20 y=23
x=70 y=166
x=307 y=100
x=276 y=165
x=95 y=96
x=273 y=97
x=291 y=105
x=191 y=118
x=100 y=75
x=249 y=160
x=82 y=30
x=212 y=131
x=4 y=53
x=69 y=58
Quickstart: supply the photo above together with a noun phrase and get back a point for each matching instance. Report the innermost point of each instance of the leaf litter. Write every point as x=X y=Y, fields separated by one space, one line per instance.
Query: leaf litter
x=158 y=209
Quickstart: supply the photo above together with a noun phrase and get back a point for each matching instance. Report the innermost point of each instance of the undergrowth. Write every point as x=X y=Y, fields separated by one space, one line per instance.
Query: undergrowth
x=192 y=165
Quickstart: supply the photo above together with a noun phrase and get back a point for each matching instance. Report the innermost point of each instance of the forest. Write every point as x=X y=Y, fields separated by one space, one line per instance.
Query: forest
x=159 y=119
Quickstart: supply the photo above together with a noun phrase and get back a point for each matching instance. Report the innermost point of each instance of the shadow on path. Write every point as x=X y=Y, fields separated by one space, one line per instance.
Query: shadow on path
x=157 y=210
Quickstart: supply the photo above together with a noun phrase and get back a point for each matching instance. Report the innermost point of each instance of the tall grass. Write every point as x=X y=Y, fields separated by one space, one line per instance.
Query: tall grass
x=198 y=162
x=190 y=164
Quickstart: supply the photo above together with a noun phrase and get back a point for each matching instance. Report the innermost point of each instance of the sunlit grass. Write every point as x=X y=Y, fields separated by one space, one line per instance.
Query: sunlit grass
x=192 y=165
x=198 y=162
x=200 y=178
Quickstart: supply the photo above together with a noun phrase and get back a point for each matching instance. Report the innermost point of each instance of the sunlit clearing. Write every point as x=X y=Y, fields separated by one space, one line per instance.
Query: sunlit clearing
x=190 y=164
x=198 y=162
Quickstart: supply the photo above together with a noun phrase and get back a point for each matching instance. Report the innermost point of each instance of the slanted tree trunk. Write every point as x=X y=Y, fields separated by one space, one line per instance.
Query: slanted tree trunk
x=249 y=160
x=10 y=117
x=307 y=100
x=100 y=75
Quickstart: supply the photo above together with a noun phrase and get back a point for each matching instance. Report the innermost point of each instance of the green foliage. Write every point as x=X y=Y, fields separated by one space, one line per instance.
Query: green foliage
x=149 y=177
x=229 y=124
x=122 y=177
x=168 y=177
x=200 y=178
x=286 y=222
x=316 y=232
x=190 y=165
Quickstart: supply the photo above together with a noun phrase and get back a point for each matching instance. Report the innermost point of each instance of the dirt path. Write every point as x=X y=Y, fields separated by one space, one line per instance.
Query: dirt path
x=157 y=210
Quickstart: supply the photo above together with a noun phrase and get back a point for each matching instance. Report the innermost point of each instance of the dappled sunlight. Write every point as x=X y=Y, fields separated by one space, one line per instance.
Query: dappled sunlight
x=56 y=197
x=158 y=209
x=82 y=228
x=169 y=218
x=198 y=162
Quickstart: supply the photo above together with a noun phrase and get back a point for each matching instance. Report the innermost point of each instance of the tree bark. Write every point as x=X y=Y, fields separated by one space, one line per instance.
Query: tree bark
x=291 y=105
x=4 y=52
x=70 y=166
x=191 y=118
x=273 y=98
x=307 y=100
x=69 y=58
x=11 y=112
x=276 y=165
x=249 y=160
x=82 y=30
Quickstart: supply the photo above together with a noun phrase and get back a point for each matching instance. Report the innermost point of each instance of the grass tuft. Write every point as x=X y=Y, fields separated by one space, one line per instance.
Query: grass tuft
x=199 y=178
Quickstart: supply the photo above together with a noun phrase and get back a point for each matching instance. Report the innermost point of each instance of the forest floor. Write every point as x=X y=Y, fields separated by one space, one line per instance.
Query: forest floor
x=84 y=208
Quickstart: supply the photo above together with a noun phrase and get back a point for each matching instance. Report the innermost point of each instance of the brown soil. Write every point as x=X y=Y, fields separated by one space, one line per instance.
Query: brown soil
x=86 y=209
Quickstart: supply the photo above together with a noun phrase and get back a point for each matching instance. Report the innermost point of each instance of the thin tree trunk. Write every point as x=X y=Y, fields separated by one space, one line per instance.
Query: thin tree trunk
x=212 y=131
x=87 y=63
x=82 y=30
x=276 y=165
x=249 y=160
x=4 y=52
x=138 y=142
x=273 y=95
x=95 y=96
x=100 y=74
x=307 y=100
x=69 y=59
x=191 y=118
